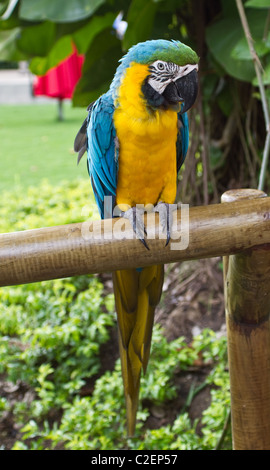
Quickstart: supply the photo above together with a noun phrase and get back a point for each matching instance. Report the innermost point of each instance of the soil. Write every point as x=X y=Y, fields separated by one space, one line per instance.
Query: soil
x=192 y=300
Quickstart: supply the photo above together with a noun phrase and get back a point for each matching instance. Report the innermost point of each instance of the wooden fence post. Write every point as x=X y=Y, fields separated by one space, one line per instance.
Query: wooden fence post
x=247 y=304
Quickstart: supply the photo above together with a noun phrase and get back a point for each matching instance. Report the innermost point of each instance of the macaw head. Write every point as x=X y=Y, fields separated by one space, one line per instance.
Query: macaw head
x=171 y=81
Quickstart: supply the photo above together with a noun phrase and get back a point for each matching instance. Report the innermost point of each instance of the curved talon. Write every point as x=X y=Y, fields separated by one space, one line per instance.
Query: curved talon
x=165 y=211
x=135 y=217
x=144 y=243
x=168 y=238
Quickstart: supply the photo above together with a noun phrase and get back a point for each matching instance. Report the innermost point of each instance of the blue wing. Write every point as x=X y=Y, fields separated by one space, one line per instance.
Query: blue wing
x=98 y=136
x=182 y=139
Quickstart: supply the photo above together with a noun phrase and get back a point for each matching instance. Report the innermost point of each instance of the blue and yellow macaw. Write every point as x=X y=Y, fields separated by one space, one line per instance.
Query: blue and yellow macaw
x=136 y=137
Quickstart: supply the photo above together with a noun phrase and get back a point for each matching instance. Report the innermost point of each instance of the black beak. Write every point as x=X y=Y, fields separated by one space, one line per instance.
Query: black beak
x=184 y=90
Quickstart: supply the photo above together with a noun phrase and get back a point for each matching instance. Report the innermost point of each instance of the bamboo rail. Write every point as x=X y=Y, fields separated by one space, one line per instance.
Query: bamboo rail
x=238 y=229
x=88 y=247
x=247 y=305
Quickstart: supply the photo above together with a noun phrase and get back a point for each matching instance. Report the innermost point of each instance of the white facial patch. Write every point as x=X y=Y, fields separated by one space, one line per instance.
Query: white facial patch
x=163 y=73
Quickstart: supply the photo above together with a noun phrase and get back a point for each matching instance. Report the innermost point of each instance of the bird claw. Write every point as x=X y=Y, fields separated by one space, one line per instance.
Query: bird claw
x=166 y=217
x=135 y=217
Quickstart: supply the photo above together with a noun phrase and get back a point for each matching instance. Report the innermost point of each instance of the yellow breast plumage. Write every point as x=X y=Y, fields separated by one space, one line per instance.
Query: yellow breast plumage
x=147 y=138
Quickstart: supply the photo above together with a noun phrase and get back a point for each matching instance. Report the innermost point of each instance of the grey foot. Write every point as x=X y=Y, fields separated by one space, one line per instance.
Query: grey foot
x=166 y=217
x=136 y=220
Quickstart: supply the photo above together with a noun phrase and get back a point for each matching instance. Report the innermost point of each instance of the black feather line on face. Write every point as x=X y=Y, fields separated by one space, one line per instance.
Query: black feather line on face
x=168 y=73
x=154 y=99
x=161 y=76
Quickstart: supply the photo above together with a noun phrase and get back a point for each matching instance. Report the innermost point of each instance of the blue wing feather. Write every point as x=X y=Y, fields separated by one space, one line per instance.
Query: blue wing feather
x=182 y=139
x=102 y=153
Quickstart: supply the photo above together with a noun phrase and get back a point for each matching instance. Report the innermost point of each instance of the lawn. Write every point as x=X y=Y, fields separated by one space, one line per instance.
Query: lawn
x=35 y=145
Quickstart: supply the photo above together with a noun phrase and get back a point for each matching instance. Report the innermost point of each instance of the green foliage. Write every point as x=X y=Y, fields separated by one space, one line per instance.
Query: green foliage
x=45 y=35
x=138 y=11
x=84 y=36
x=226 y=41
x=44 y=31
x=60 y=50
x=258 y=4
x=68 y=11
x=8 y=47
x=61 y=330
x=89 y=25
x=97 y=421
x=165 y=358
x=182 y=434
x=45 y=205
x=100 y=61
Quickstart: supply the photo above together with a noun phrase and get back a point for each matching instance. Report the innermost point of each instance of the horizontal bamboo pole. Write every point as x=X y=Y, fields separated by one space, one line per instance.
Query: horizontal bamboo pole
x=247 y=303
x=75 y=249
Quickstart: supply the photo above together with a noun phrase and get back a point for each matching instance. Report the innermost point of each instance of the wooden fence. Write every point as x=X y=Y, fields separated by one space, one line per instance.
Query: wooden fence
x=238 y=230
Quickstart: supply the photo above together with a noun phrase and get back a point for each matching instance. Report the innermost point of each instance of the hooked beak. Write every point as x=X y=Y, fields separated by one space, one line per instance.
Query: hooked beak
x=183 y=92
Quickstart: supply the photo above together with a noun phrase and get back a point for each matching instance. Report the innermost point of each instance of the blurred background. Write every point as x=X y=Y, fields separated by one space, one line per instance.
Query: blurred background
x=60 y=380
x=227 y=123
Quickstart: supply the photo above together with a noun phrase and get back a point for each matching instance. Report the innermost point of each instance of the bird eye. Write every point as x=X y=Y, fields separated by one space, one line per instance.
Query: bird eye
x=160 y=66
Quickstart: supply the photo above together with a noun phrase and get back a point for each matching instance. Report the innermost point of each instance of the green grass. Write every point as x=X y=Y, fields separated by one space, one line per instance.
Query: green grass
x=34 y=145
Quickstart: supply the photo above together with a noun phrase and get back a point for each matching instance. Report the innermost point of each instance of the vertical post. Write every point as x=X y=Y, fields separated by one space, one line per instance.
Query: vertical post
x=247 y=304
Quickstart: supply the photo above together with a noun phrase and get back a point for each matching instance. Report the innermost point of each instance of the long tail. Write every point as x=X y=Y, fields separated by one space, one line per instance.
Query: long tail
x=137 y=292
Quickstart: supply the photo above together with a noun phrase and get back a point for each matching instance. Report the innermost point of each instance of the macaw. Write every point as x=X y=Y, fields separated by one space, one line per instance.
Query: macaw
x=136 y=136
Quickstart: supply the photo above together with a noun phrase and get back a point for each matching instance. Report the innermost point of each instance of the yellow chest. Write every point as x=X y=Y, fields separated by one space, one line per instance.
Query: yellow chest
x=147 y=140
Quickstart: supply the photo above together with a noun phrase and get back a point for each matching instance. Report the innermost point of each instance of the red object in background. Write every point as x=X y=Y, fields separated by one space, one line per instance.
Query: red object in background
x=60 y=81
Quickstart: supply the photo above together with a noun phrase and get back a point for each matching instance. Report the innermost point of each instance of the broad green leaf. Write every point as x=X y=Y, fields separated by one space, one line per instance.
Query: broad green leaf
x=3 y=6
x=58 y=11
x=37 y=40
x=100 y=63
x=9 y=17
x=84 y=36
x=8 y=46
x=266 y=77
x=241 y=50
x=222 y=37
x=61 y=50
x=140 y=20
x=258 y=4
x=7 y=8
